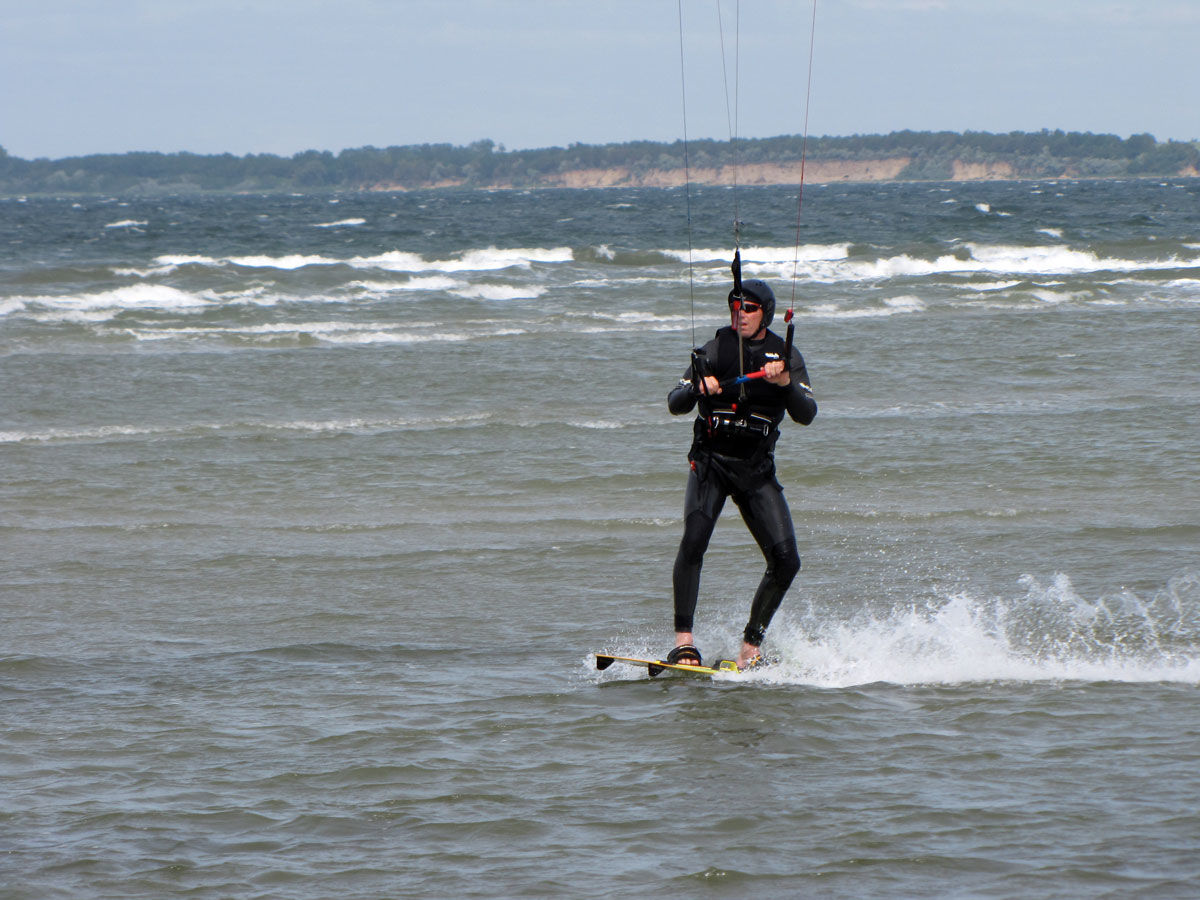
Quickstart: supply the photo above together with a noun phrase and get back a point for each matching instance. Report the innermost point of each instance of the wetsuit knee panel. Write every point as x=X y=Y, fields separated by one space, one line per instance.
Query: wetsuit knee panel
x=785 y=561
x=697 y=530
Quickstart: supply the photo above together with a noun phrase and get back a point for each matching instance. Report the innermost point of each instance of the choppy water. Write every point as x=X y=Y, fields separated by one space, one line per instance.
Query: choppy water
x=312 y=512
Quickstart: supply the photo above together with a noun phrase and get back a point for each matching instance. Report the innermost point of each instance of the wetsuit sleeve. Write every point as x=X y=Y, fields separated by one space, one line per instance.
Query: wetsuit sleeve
x=801 y=405
x=683 y=396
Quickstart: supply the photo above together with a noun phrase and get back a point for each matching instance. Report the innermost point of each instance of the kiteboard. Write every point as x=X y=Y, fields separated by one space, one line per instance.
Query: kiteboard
x=657 y=666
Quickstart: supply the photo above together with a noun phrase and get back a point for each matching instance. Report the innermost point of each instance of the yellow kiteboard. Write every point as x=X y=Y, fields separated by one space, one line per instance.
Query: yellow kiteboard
x=656 y=666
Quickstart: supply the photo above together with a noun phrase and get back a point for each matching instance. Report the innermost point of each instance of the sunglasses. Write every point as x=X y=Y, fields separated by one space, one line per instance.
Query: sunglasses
x=748 y=307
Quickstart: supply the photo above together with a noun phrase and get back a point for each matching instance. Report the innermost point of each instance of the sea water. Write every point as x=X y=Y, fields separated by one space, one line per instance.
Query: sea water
x=313 y=510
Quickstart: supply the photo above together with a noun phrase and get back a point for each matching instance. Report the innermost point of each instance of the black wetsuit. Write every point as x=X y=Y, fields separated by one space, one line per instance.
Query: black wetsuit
x=733 y=455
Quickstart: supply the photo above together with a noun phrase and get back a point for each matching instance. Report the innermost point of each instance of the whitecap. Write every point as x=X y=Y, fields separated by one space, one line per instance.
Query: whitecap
x=493 y=258
x=141 y=273
x=996 y=259
x=1051 y=298
x=832 y=263
x=755 y=256
x=332 y=332
x=393 y=260
x=986 y=286
x=1051 y=633
x=478 y=260
x=499 y=292
x=389 y=337
x=105 y=432
x=293 y=261
x=892 y=306
x=175 y=260
x=419 y=283
x=104 y=304
x=639 y=317
x=905 y=303
x=45 y=435
x=599 y=424
x=1059 y=259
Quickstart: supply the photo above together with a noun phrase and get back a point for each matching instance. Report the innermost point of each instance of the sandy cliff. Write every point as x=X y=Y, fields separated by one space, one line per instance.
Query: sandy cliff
x=751 y=173
x=815 y=172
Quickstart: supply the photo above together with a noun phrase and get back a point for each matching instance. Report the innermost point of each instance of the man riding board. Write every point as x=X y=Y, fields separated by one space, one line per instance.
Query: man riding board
x=733 y=455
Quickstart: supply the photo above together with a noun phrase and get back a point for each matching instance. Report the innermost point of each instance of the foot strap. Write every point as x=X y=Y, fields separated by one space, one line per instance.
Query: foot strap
x=687 y=651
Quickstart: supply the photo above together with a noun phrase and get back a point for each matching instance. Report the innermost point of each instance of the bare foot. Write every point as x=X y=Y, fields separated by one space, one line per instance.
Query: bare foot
x=749 y=657
x=689 y=656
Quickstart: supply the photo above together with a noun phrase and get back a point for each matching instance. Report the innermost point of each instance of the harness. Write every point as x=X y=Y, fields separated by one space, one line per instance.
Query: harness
x=732 y=433
x=744 y=424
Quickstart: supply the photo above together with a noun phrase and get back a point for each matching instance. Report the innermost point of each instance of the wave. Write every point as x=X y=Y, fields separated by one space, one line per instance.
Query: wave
x=499 y=292
x=598 y=425
x=418 y=283
x=995 y=260
x=417 y=337
x=11 y=305
x=984 y=287
x=475 y=260
x=1049 y=634
x=639 y=319
x=892 y=306
x=163 y=265
x=315 y=427
x=149 y=297
x=334 y=332
x=986 y=209
x=488 y=259
x=99 y=432
x=753 y=256
x=102 y=305
x=455 y=287
x=835 y=263
x=305 y=426
x=1015 y=276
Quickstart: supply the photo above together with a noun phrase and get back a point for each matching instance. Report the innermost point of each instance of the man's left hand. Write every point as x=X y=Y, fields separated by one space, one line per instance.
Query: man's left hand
x=777 y=373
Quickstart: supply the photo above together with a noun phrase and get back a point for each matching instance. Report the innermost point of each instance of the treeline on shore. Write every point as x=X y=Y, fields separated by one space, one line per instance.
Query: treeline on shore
x=931 y=156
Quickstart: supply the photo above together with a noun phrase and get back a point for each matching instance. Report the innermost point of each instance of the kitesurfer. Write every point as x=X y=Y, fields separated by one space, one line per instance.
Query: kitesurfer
x=733 y=455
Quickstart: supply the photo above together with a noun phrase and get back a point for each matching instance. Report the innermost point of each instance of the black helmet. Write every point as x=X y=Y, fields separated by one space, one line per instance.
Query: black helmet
x=757 y=290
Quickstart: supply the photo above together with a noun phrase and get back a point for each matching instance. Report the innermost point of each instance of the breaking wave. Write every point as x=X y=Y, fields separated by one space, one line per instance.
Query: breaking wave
x=1050 y=632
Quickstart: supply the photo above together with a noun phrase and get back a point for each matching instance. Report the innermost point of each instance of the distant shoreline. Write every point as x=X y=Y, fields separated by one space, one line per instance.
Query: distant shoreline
x=897 y=157
x=769 y=174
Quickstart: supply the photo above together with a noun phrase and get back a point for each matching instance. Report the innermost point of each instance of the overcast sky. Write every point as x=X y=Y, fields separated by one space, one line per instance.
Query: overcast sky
x=281 y=76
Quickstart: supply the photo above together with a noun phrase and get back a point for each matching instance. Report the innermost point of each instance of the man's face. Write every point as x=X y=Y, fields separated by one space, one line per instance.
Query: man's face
x=748 y=320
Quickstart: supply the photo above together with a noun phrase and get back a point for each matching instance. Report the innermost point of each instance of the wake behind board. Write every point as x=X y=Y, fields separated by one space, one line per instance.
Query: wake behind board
x=656 y=666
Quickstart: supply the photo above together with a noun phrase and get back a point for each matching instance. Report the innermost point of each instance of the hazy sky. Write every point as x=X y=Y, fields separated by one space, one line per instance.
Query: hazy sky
x=281 y=76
